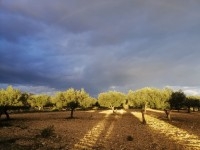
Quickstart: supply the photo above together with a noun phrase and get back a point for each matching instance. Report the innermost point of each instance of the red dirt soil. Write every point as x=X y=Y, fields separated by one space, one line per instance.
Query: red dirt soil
x=101 y=130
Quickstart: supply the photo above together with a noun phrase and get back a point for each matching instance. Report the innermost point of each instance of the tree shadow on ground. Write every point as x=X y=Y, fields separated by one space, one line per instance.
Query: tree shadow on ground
x=93 y=130
x=142 y=137
x=69 y=131
x=189 y=122
x=184 y=139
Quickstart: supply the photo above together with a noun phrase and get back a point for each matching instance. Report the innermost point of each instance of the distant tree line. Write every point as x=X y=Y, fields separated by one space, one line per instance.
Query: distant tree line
x=71 y=99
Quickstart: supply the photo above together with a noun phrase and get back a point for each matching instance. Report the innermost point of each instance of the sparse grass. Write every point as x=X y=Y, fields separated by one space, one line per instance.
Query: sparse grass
x=22 y=126
x=5 y=124
x=129 y=138
x=5 y=141
x=47 y=132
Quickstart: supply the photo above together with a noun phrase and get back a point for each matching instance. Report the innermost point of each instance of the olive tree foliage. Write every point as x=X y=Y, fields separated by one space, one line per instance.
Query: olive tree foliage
x=39 y=101
x=139 y=99
x=84 y=99
x=72 y=99
x=153 y=97
x=11 y=98
x=134 y=99
x=111 y=99
x=192 y=101
x=159 y=98
x=58 y=100
x=177 y=100
x=87 y=102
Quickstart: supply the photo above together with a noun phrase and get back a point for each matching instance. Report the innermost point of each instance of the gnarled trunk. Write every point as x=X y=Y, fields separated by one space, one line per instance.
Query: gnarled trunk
x=3 y=110
x=144 y=107
x=143 y=116
x=193 y=109
x=168 y=113
x=113 y=109
x=189 y=111
x=72 y=113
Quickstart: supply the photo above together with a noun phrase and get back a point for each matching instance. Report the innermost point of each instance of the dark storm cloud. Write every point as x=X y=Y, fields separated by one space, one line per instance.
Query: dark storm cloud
x=13 y=27
x=99 y=45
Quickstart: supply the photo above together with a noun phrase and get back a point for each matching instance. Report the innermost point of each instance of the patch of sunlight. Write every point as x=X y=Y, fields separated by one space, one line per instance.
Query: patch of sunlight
x=109 y=131
x=154 y=110
x=90 y=138
x=180 y=136
x=120 y=111
x=105 y=139
x=106 y=112
x=91 y=111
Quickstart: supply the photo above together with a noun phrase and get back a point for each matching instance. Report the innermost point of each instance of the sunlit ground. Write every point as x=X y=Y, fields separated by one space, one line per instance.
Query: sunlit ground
x=180 y=136
x=120 y=111
x=97 y=129
x=91 y=137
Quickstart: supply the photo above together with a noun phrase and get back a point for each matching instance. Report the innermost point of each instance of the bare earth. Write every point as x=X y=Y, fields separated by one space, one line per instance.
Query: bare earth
x=101 y=130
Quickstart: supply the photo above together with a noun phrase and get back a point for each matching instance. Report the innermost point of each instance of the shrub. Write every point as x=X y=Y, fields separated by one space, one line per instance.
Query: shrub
x=129 y=138
x=47 y=132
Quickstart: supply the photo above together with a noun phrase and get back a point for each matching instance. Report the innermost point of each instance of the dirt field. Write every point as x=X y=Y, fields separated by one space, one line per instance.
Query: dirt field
x=100 y=130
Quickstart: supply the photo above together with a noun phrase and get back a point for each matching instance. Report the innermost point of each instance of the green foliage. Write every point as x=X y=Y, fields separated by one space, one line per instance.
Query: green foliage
x=134 y=99
x=192 y=101
x=84 y=99
x=159 y=98
x=38 y=101
x=59 y=100
x=111 y=99
x=155 y=98
x=177 y=100
x=11 y=97
x=48 y=131
x=72 y=99
x=87 y=102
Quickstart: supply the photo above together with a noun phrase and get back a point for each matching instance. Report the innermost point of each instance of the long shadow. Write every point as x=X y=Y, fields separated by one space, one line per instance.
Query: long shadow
x=116 y=131
x=130 y=133
x=189 y=122
x=104 y=138
x=124 y=131
x=170 y=132
x=68 y=130
x=47 y=116
x=95 y=137
x=29 y=143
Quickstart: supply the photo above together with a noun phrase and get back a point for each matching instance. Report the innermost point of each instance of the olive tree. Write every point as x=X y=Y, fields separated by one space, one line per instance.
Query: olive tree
x=192 y=101
x=177 y=100
x=72 y=99
x=139 y=98
x=11 y=98
x=153 y=97
x=111 y=99
x=38 y=101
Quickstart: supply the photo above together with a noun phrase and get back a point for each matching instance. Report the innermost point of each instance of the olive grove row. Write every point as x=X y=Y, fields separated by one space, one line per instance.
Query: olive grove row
x=11 y=99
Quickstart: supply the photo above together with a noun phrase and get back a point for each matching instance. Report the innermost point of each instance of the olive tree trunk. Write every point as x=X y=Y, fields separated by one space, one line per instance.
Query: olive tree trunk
x=143 y=116
x=72 y=113
x=3 y=110
x=168 y=114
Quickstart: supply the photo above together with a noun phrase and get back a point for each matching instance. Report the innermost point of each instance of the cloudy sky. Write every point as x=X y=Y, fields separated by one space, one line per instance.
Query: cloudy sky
x=100 y=45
